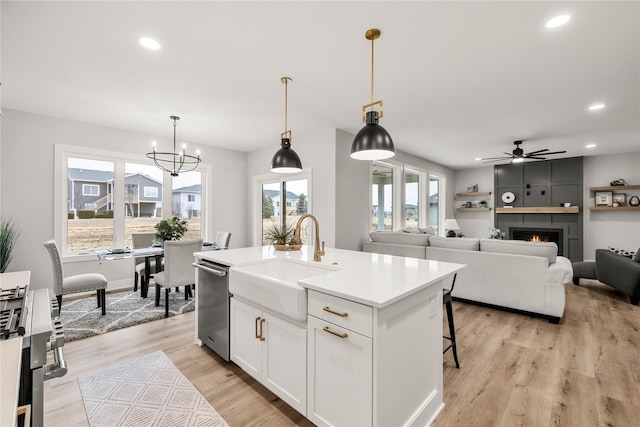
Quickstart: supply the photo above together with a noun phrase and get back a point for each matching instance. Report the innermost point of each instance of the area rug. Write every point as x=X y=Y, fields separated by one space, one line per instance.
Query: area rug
x=143 y=392
x=81 y=318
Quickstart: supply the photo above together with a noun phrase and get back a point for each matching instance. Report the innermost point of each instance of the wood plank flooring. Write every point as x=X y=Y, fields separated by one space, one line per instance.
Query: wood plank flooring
x=515 y=370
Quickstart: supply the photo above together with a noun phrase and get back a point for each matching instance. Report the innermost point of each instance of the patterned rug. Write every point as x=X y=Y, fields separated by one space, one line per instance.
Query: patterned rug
x=82 y=318
x=146 y=391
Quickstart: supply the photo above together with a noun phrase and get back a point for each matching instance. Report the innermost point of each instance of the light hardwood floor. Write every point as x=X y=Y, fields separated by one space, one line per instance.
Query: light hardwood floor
x=515 y=370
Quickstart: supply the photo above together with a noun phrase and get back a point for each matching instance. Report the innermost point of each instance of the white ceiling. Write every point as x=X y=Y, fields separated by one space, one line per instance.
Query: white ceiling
x=459 y=80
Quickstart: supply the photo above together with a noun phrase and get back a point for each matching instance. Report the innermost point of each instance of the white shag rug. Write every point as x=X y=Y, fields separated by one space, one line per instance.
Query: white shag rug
x=145 y=391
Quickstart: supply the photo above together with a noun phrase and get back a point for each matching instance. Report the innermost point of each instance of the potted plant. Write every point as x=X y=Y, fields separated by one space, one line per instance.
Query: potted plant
x=278 y=235
x=170 y=229
x=8 y=238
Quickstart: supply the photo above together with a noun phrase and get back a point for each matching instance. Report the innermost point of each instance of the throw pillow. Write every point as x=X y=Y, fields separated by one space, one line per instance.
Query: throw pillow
x=623 y=252
x=636 y=257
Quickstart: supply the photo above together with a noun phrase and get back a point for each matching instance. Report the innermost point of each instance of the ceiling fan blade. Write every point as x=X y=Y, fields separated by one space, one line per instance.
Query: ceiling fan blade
x=495 y=158
x=537 y=152
x=536 y=158
x=554 y=152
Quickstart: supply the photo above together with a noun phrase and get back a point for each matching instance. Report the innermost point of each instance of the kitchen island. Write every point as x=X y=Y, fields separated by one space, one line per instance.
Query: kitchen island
x=369 y=349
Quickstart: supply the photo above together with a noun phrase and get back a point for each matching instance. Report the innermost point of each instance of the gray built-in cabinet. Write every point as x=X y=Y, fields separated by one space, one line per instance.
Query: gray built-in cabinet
x=546 y=186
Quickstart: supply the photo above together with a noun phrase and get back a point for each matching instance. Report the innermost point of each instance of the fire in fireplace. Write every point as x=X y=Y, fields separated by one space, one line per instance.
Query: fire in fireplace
x=536 y=234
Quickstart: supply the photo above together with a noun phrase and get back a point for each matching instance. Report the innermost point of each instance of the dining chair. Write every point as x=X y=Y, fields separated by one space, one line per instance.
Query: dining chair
x=141 y=240
x=178 y=269
x=222 y=239
x=447 y=301
x=78 y=283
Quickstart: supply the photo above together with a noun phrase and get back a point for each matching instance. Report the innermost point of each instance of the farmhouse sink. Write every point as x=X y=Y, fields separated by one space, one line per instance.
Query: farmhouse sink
x=274 y=285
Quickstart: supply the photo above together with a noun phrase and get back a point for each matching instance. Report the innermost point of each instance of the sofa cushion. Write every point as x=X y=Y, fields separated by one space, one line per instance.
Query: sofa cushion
x=548 y=250
x=464 y=243
x=427 y=230
x=400 y=238
x=411 y=230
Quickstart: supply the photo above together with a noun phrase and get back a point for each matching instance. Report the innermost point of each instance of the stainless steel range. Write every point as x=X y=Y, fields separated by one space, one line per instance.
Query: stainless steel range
x=34 y=316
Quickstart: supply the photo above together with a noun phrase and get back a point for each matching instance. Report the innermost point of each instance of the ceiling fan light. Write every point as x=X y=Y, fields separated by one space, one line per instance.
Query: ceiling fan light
x=518 y=160
x=286 y=160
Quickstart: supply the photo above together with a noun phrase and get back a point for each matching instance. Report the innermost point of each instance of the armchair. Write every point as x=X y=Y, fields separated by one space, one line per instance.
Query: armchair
x=619 y=272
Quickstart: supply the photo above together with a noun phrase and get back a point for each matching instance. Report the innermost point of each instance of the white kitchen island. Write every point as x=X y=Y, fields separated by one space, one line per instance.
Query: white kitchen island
x=372 y=352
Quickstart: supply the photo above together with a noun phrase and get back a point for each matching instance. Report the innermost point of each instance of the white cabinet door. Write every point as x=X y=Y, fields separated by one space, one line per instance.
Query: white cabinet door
x=284 y=361
x=339 y=375
x=246 y=348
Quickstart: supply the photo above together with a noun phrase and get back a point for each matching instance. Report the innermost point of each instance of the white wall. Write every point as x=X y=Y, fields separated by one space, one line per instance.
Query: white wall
x=27 y=172
x=475 y=223
x=610 y=228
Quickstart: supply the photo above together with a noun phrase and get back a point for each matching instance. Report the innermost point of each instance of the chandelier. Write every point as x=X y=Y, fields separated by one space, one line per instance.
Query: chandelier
x=176 y=162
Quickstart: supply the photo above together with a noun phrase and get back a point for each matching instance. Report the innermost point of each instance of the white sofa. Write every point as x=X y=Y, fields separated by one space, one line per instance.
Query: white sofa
x=511 y=274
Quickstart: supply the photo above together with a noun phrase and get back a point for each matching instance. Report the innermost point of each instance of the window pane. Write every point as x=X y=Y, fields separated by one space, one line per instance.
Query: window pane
x=412 y=199
x=434 y=190
x=296 y=201
x=382 y=198
x=142 y=199
x=90 y=208
x=270 y=207
x=185 y=185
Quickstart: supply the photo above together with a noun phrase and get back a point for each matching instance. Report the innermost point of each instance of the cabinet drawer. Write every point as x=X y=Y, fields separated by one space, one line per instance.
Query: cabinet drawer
x=347 y=314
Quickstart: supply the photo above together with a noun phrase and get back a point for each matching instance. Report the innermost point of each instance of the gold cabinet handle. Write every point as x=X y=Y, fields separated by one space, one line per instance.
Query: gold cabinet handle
x=261 y=323
x=337 y=313
x=338 y=334
x=257 y=334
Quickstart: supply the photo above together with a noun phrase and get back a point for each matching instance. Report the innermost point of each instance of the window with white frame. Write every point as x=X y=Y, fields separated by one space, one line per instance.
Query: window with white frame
x=84 y=223
x=151 y=192
x=291 y=191
x=90 y=190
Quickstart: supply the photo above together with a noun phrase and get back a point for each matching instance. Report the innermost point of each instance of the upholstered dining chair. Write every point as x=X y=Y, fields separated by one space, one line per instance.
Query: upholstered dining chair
x=73 y=284
x=141 y=240
x=222 y=239
x=178 y=269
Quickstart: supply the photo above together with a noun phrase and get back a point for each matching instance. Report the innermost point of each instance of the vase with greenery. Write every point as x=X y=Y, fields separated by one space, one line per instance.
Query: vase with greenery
x=170 y=229
x=8 y=238
x=495 y=233
x=278 y=234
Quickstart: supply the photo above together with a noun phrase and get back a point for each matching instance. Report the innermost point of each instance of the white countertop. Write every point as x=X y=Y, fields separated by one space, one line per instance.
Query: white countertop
x=373 y=279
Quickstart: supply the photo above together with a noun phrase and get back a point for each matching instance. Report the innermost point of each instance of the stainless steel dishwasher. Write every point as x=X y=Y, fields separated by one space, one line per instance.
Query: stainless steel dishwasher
x=212 y=296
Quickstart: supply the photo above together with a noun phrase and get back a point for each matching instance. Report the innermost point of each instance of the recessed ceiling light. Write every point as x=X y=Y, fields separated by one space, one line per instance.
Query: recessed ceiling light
x=590 y=146
x=149 y=43
x=558 y=21
x=595 y=107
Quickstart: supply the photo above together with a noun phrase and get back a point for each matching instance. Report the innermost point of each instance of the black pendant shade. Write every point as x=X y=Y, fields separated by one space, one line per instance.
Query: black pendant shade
x=286 y=160
x=373 y=142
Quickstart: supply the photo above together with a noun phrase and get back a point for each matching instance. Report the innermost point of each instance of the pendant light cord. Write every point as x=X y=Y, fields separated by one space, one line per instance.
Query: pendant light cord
x=174 y=143
x=286 y=97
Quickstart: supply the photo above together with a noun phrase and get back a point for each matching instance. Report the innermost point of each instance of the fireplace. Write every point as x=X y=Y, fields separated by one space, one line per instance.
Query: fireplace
x=537 y=234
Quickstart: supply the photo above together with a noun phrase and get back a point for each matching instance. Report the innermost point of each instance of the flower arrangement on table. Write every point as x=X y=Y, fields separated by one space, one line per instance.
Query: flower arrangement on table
x=495 y=233
x=170 y=229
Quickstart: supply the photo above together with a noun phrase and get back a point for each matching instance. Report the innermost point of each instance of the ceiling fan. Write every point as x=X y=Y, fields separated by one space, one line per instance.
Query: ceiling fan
x=518 y=155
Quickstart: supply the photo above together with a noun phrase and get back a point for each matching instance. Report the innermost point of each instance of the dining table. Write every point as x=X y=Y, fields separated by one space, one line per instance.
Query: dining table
x=148 y=253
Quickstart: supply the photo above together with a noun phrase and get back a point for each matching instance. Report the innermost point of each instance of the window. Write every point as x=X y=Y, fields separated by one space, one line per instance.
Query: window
x=435 y=207
x=191 y=198
x=382 y=196
x=90 y=190
x=291 y=192
x=101 y=197
x=150 y=192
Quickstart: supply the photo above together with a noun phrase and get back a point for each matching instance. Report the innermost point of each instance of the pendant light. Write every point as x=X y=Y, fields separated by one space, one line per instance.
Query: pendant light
x=286 y=160
x=373 y=142
x=175 y=162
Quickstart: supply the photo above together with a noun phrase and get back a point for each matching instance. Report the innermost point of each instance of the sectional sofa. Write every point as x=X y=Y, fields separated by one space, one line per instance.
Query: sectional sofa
x=510 y=274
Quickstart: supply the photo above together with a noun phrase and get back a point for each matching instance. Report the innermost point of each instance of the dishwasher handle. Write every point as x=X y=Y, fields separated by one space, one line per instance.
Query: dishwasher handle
x=220 y=273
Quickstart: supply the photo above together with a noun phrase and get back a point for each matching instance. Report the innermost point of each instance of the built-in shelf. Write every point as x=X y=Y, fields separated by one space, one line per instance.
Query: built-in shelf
x=611 y=208
x=476 y=193
x=540 y=209
x=473 y=209
x=616 y=188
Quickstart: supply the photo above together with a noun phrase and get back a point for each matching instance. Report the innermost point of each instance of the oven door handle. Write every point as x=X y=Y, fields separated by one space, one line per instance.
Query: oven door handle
x=220 y=273
x=59 y=367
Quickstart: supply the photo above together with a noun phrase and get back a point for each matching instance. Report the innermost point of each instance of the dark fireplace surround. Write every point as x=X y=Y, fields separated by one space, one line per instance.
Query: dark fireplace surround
x=538 y=234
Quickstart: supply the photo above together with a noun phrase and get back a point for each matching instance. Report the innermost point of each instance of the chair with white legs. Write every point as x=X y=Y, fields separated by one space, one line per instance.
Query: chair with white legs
x=73 y=284
x=178 y=269
x=222 y=239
